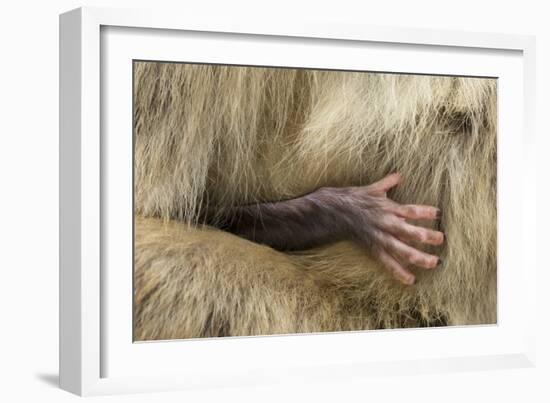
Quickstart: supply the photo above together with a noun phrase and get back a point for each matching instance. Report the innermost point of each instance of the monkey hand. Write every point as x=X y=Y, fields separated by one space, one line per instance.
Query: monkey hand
x=379 y=223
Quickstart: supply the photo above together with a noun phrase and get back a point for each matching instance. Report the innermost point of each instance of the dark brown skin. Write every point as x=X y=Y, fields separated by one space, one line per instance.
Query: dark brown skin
x=363 y=214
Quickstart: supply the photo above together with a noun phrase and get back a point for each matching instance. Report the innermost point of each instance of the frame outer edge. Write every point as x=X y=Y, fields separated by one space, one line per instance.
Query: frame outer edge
x=90 y=214
x=79 y=236
x=530 y=188
x=176 y=18
x=70 y=119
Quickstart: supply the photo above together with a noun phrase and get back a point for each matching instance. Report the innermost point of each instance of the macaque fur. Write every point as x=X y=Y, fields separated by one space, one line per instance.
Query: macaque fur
x=213 y=137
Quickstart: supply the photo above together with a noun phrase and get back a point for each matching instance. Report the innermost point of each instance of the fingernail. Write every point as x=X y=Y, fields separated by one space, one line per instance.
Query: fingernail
x=438 y=214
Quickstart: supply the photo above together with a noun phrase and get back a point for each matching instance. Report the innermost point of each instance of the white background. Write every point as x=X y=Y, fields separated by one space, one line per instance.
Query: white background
x=29 y=201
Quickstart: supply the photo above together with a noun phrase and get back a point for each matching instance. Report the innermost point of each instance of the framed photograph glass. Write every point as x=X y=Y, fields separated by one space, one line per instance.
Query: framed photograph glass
x=239 y=196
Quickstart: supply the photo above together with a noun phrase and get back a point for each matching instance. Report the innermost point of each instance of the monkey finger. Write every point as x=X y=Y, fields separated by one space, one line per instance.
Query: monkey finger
x=381 y=187
x=395 y=268
x=403 y=230
x=416 y=212
x=407 y=252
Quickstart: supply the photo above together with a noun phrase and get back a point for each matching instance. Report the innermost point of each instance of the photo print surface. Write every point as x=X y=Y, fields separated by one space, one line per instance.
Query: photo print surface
x=284 y=200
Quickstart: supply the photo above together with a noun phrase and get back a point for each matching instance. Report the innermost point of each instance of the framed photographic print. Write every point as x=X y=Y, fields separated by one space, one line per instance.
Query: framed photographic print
x=239 y=196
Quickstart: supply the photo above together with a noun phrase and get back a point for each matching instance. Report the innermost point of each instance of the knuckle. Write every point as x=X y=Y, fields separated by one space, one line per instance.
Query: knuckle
x=421 y=236
x=387 y=220
x=413 y=258
x=420 y=260
x=404 y=210
x=410 y=211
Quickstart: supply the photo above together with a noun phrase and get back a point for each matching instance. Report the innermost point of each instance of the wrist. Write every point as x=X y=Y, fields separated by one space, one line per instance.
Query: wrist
x=335 y=210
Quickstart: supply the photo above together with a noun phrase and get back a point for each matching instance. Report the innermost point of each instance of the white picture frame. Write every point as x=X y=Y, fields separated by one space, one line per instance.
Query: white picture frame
x=97 y=357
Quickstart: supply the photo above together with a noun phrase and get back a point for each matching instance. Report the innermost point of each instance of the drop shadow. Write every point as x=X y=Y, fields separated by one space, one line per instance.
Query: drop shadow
x=49 y=379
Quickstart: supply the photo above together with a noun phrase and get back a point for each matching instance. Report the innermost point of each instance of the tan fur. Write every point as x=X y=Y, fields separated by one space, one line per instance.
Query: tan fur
x=219 y=136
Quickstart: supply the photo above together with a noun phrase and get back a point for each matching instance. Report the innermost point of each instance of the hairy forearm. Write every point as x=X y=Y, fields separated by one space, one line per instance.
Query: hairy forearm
x=301 y=223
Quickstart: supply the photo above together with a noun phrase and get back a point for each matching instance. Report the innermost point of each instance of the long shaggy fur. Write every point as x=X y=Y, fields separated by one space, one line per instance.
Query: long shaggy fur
x=211 y=137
